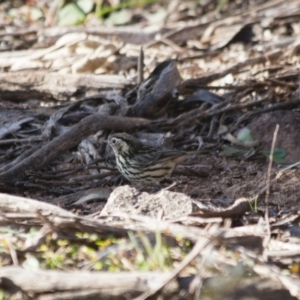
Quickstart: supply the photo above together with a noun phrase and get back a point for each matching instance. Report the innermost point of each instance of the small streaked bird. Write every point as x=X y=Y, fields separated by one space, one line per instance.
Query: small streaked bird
x=141 y=163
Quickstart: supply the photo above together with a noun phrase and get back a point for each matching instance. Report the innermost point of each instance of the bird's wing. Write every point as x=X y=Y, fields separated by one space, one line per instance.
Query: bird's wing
x=153 y=155
x=165 y=156
x=146 y=156
x=171 y=154
x=176 y=155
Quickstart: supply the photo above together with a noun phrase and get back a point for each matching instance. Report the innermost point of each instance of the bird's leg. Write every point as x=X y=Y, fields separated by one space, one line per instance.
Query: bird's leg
x=155 y=188
x=170 y=186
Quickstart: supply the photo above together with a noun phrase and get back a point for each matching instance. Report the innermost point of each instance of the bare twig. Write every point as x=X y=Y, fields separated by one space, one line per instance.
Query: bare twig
x=140 y=70
x=268 y=184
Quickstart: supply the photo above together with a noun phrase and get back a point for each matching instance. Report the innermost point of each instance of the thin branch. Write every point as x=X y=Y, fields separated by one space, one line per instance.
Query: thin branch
x=268 y=238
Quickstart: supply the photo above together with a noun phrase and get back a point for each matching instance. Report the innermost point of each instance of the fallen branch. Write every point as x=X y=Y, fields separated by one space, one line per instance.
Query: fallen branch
x=100 y=284
x=24 y=85
x=68 y=140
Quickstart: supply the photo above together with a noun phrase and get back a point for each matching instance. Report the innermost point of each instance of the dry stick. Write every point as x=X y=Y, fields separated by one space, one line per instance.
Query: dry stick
x=198 y=113
x=47 y=222
x=70 y=139
x=69 y=171
x=141 y=66
x=52 y=13
x=25 y=140
x=221 y=108
x=287 y=168
x=267 y=240
x=13 y=254
x=91 y=177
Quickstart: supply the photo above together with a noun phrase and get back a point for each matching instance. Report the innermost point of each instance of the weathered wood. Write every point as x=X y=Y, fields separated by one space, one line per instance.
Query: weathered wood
x=28 y=84
x=122 y=285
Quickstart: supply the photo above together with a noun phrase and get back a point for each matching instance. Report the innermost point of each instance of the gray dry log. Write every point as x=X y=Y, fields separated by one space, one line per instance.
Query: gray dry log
x=11 y=203
x=123 y=285
x=28 y=84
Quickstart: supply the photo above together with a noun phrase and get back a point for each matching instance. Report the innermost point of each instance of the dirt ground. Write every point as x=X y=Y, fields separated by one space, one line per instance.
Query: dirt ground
x=223 y=181
x=217 y=74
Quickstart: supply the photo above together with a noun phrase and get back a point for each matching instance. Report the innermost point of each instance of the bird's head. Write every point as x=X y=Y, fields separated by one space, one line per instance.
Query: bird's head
x=122 y=143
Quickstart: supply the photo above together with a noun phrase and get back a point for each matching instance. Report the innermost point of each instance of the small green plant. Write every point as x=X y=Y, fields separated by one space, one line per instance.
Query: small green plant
x=149 y=256
x=253 y=204
x=101 y=11
x=220 y=5
x=278 y=155
x=4 y=296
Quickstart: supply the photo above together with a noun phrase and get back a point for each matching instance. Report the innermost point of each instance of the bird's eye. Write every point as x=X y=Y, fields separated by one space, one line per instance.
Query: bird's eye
x=113 y=141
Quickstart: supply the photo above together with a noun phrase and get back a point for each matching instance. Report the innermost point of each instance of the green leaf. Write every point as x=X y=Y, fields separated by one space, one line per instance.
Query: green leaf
x=35 y=13
x=220 y=5
x=244 y=135
x=237 y=152
x=158 y=17
x=31 y=263
x=278 y=155
x=71 y=14
x=102 y=11
x=120 y=17
x=62 y=243
x=85 y=5
x=231 y=151
x=98 y=266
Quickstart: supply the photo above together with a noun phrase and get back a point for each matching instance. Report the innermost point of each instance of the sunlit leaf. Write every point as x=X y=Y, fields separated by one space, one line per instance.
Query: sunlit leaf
x=70 y=14
x=62 y=242
x=43 y=247
x=35 y=13
x=119 y=17
x=31 y=263
x=85 y=5
x=158 y=17
x=90 y=252
x=294 y=268
x=98 y=266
